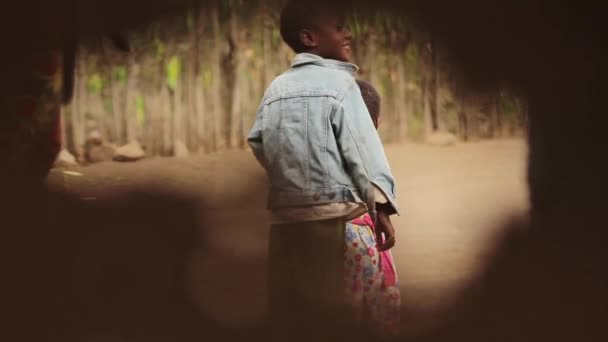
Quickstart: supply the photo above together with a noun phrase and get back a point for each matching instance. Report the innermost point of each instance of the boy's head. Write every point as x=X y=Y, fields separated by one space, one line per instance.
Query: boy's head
x=371 y=99
x=316 y=27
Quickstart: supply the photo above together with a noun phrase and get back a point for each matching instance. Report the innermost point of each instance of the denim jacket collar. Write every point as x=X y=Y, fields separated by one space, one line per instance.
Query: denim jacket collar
x=309 y=58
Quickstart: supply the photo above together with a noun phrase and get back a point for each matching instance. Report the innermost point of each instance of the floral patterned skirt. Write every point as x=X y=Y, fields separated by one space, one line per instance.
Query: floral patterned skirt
x=370 y=280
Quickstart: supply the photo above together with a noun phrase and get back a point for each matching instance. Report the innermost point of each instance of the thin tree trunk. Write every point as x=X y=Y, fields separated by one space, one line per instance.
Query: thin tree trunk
x=245 y=115
x=524 y=118
x=131 y=96
x=63 y=127
x=217 y=81
x=78 y=108
x=239 y=84
x=178 y=115
x=371 y=57
x=426 y=102
x=157 y=115
x=192 y=109
x=117 y=111
x=401 y=101
x=255 y=90
x=96 y=108
x=165 y=109
x=434 y=87
x=268 y=54
x=202 y=136
x=426 y=105
x=106 y=119
x=463 y=123
x=497 y=129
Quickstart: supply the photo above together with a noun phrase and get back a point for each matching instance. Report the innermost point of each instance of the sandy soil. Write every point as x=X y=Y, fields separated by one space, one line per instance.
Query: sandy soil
x=454 y=202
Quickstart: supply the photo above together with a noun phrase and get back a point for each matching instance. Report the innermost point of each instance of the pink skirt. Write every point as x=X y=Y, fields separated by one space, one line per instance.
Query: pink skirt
x=370 y=279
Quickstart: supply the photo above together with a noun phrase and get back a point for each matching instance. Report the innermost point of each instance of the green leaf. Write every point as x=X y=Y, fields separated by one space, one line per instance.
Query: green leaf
x=95 y=83
x=120 y=73
x=276 y=37
x=174 y=70
x=207 y=78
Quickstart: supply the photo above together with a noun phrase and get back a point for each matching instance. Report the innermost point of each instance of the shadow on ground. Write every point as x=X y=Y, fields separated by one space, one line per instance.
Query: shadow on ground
x=116 y=270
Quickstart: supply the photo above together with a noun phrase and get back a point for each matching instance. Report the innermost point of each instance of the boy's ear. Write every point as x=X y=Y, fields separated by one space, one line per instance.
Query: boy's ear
x=308 y=38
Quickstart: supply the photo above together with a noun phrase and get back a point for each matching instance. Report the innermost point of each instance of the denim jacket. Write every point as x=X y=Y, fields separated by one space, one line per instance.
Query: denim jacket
x=316 y=140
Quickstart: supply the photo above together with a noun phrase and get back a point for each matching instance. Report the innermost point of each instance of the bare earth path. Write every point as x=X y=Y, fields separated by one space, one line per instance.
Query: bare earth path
x=453 y=203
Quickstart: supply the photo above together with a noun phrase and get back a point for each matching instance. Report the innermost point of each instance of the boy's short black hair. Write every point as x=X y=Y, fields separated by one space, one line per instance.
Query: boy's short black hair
x=371 y=99
x=298 y=15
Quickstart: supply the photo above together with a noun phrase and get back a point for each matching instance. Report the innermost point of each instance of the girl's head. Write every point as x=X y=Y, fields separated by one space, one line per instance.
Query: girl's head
x=371 y=99
x=316 y=27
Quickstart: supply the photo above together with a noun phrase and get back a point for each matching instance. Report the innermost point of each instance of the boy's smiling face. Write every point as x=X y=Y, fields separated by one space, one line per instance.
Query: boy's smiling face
x=330 y=38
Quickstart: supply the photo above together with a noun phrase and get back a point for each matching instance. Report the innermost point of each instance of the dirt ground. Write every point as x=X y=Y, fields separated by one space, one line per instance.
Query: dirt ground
x=454 y=201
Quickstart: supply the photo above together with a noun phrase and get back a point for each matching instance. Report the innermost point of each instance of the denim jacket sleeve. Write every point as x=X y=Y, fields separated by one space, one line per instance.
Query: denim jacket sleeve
x=255 y=139
x=362 y=149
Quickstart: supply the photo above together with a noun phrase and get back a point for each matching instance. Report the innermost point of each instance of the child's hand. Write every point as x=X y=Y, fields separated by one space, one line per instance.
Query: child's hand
x=384 y=226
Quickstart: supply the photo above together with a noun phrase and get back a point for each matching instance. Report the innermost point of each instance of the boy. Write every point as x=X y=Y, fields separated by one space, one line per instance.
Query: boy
x=314 y=137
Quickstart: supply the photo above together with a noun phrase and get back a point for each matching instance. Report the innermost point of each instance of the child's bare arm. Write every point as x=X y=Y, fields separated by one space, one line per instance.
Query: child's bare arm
x=385 y=232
